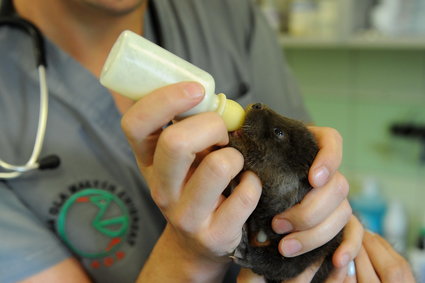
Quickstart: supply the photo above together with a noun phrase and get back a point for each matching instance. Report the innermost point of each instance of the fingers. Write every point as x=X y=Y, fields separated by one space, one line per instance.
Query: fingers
x=177 y=148
x=204 y=188
x=318 y=217
x=142 y=121
x=329 y=157
x=365 y=272
x=351 y=243
x=315 y=207
x=235 y=210
x=221 y=231
x=345 y=269
x=388 y=264
x=297 y=243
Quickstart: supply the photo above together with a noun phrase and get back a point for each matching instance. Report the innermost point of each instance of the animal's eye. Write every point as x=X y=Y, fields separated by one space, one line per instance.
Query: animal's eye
x=278 y=133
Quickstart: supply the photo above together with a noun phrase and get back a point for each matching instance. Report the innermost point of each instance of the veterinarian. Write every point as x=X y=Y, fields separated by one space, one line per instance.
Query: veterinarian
x=92 y=216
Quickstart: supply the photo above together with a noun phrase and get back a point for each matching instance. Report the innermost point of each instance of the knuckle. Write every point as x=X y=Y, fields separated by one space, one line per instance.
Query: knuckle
x=355 y=224
x=335 y=134
x=160 y=199
x=349 y=210
x=248 y=199
x=126 y=127
x=395 y=272
x=219 y=165
x=308 y=219
x=173 y=143
x=124 y=122
x=342 y=186
x=348 y=213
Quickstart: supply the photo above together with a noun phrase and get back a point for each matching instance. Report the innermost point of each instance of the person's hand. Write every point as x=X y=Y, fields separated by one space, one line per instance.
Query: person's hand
x=343 y=274
x=186 y=177
x=325 y=210
x=379 y=262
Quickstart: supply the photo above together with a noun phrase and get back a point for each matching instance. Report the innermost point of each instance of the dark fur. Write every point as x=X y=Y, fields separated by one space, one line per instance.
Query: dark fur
x=282 y=163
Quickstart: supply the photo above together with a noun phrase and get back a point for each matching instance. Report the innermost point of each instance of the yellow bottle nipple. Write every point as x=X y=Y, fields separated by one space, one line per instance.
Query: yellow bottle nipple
x=232 y=113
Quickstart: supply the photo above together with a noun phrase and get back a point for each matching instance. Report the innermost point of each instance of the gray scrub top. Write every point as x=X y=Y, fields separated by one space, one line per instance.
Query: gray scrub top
x=96 y=206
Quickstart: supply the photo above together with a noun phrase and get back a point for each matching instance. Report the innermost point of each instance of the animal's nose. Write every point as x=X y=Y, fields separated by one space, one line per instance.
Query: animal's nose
x=257 y=106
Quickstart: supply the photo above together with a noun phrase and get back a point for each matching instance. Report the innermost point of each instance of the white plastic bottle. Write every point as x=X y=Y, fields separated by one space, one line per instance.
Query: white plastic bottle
x=327 y=18
x=395 y=226
x=135 y=67
x=386 y=17
x=302 y=18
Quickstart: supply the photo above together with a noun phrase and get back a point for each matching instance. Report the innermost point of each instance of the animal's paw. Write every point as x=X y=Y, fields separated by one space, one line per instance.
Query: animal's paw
x=240 y=256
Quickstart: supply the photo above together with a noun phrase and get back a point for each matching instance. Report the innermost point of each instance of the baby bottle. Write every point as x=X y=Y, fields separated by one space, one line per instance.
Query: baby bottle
x=135 y=67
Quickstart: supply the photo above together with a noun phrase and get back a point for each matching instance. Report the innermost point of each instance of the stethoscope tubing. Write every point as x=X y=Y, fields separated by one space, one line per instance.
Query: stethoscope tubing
x=9 y=17
x=12 y=170
x=31 y=164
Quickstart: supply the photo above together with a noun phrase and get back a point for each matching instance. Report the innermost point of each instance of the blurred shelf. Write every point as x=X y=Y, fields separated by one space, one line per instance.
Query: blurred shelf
x=353 y=42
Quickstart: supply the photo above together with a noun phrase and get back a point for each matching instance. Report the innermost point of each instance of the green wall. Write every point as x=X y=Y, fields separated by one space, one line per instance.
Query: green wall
x=361 y=93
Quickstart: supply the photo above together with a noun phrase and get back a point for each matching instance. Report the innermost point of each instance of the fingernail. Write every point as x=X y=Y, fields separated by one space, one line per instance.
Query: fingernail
x=282 y=226
x=351 y=271
x=345 y=258
x=321 y=176
x=291 y=247
x=194 y=90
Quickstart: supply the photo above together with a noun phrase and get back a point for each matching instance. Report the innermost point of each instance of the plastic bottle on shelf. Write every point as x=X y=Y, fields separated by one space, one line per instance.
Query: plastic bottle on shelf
x=135 y=67
x=327 y=18
x=302 y=18
x=386 y=17
x=395 y=226
x=370 y=206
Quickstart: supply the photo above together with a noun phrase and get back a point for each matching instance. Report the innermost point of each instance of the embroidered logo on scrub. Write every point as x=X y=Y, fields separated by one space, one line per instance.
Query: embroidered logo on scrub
x=95 y=223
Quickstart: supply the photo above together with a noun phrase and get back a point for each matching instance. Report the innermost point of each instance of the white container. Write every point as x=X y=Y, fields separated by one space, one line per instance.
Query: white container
x=327 y=18
x=395 y=226
x=388 y=17
x=302 y=18
x=417 y=261
x=135 y=67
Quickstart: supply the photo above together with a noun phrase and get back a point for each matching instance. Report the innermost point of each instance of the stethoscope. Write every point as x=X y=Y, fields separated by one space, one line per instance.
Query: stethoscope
x=9 y=17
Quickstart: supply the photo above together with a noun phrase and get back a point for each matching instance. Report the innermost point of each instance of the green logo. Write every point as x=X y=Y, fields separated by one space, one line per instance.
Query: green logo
x=93 y=223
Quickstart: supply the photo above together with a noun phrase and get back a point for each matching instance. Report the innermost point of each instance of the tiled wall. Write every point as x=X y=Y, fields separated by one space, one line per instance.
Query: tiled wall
x=361 y=93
